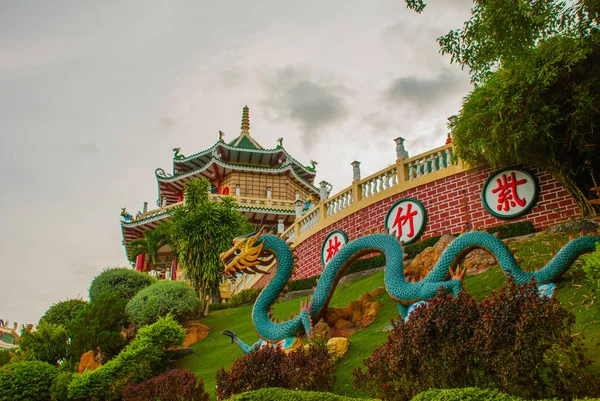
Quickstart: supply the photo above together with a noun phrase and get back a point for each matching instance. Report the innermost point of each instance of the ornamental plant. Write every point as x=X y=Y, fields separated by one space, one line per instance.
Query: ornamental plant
x=122 y=281
x=162 y=298
x=304 y=369
x=143 y=358
x=173 y=385
x=591 y=266
x=26 y=381
x=514 y=341
x=63 y=312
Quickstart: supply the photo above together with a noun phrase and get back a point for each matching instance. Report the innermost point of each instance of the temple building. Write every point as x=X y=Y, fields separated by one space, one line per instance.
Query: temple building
x=269 y=185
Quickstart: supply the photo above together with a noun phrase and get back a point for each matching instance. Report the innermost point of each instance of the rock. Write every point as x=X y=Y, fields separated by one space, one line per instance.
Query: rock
x=337 y=347
x=88 y=362
x=343 y=328
x=370 y=313
x=321 y=332
x=358 y=314
x=195 y=332
x=476 y=261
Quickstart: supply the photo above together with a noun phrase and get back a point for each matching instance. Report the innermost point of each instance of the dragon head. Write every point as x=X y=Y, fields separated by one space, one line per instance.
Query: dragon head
x=246 y=255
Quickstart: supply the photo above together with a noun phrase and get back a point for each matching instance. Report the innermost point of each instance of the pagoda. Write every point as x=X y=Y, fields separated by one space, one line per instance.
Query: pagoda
x=270 y=186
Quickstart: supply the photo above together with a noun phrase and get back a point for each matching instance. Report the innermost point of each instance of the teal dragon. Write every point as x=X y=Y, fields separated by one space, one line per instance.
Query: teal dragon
x=258 y=249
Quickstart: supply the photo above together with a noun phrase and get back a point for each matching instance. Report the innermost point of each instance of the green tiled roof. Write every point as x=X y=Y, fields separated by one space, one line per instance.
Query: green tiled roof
x=245 y=143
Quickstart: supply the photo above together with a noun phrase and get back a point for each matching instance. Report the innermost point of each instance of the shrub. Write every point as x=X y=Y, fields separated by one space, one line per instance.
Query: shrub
x=279 y=394
x=514 y=341
x=245 y=296
x=60 y=386
x=591 y=266
x=310 y=369
x=464 y=394
x=99 y=325
x=120 y=280
x=144 y=357
x=217 y=306
x=513 y=229
x=48 y=343
x=4 y=357
x=63 y=312
x=162 y=298
x=26 y=381
x=303 y=284
x=174 y=385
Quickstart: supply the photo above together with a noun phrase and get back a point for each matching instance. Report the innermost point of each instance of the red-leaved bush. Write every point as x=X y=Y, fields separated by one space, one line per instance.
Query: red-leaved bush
x=514 y=341
x=174 y=385
x=303 y=369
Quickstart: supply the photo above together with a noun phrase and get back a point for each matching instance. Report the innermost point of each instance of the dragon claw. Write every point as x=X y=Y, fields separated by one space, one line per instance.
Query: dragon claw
x=231 y=334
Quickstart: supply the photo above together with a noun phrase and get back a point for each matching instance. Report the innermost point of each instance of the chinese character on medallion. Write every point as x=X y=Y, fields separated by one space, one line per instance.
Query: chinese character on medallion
x=510 y=193
x=332 y=245
x=406 y=219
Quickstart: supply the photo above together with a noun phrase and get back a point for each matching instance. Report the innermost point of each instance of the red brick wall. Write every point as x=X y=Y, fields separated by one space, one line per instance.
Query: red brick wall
x=452 y=204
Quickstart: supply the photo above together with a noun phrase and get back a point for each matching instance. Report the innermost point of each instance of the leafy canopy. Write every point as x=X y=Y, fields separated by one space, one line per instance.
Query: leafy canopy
x=200 y=231
x=122 y=281
x=63 y=312
x=48 y=343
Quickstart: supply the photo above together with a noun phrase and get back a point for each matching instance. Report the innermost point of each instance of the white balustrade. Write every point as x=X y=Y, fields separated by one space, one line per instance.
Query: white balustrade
x=309 y=221
x=338 y=203
x=429 y=163
x=379 y=183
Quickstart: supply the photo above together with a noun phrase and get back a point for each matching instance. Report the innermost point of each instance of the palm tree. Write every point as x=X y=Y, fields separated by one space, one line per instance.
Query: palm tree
x=153 y=240
x=199 y=231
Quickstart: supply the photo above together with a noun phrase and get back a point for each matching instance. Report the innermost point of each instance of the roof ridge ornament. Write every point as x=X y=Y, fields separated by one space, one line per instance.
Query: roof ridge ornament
x=246 y=120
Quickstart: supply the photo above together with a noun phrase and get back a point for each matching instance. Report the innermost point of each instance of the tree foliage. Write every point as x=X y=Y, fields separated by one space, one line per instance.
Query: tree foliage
x=200 y=231
x=99 y=325
x=122 y=281
x=26 y=381
x=153 y=240
x=47 y=343
x=536 y=67
x=162 y=298
x=63 y=312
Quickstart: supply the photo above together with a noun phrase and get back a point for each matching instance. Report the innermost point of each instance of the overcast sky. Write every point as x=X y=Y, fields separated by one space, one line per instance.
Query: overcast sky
x=94 y=95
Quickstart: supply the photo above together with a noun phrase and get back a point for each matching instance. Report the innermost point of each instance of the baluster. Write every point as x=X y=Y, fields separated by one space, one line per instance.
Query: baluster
x=432 y=160
x=363 y=190
x=380 y=181
x=410 y=171
x=395 y=176
x=386 y=180
x=448 y=155
x=418 y=163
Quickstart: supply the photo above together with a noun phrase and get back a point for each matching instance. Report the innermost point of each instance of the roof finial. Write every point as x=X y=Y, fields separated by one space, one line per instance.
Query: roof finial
x=246 y=120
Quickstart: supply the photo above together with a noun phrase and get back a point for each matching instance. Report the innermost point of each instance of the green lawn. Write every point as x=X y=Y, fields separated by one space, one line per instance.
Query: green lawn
x=573 y=291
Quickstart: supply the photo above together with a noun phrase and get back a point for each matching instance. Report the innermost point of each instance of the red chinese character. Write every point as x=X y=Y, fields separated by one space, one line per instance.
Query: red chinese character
x=507 y=192
x=334 y=247
x=400 y=220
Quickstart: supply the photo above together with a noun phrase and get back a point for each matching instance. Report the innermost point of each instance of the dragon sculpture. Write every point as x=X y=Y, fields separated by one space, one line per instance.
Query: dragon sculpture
x=177 y=155
x=260 y=249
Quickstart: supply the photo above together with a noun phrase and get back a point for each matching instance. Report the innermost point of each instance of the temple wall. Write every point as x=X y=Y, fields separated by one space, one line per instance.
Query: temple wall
x=254 y=185
x=452 y=203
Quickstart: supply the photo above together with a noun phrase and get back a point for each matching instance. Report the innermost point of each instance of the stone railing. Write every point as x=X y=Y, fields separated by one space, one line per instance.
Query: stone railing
x=406 y=173
x=427 y=163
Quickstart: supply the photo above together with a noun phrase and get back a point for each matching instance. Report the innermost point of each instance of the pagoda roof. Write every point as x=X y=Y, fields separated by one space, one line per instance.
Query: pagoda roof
x=215 y=168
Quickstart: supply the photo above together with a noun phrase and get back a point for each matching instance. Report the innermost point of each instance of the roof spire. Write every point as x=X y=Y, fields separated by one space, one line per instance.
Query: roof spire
x=246 y=120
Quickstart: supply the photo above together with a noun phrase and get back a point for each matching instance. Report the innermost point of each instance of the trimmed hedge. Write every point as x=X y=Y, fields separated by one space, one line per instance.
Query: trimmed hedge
x=245 y=296
x=464 y=394
x=162 y=298
x=279 y=394
x=121 y=280
x=513 y=229
x=26 y=381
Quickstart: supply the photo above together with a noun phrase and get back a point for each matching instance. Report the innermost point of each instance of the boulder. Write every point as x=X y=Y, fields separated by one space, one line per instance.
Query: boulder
x=196 y=332
x=476 y=261
x=337 y=347
x=88 y=362
x=321 y=332
x=358 y=314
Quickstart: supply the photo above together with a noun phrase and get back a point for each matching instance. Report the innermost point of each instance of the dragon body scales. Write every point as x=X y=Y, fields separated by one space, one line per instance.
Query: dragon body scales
x=244 y=257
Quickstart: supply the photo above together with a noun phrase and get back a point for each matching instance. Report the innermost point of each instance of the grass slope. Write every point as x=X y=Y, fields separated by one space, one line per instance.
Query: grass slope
x=573 y=291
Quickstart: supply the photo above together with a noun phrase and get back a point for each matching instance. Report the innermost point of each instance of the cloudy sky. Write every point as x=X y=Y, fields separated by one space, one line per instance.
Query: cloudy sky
x=93 y=96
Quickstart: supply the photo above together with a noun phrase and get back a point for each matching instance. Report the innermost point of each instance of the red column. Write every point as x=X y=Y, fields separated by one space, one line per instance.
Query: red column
x=139 y=262
x=180 y=197
x=174 y=270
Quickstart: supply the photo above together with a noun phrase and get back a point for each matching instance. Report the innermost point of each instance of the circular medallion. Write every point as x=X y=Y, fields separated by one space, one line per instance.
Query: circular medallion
x=332 y=245
x=406 y=219
x=510 y=193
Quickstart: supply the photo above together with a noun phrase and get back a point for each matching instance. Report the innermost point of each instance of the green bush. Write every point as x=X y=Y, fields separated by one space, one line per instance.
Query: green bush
x=243 y=297
x=174 y=385
x=145 y=357
x=63 y=312
x=591 y=266
x=279 y=394
x=48 y=343
x=303 y=284
x=464 y=394
x=59 y=391
x=99 y=325
x=4 y=357
x=162 y=298
x=26 y=381
x=513 y=229
x=217 y=306
x=120 y=280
